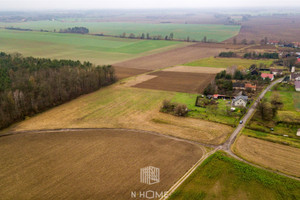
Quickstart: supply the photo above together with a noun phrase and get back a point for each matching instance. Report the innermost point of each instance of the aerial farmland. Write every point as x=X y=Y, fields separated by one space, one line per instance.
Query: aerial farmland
x=140 y=104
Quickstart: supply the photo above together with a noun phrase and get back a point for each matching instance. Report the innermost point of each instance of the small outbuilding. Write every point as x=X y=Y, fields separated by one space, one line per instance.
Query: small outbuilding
x=250 y=86
x=238 y=86
x=298 y=132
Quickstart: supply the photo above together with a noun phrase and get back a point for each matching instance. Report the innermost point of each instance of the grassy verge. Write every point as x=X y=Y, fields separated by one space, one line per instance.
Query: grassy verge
x=222 y=177
x=272 y=137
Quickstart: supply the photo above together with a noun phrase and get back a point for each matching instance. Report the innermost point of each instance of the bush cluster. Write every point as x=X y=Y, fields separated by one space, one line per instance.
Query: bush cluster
x=174 y=108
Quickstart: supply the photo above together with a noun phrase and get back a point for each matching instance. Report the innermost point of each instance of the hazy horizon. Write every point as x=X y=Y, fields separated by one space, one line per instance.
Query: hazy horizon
x=33 y=5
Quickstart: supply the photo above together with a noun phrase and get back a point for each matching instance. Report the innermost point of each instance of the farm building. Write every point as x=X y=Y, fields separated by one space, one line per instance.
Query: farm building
x=277 y=72
x=240 y=101
x=249 y=85
x=297 y=86
x=219 y=96
x=238 y=86
x=293 y=69
x=270 y=76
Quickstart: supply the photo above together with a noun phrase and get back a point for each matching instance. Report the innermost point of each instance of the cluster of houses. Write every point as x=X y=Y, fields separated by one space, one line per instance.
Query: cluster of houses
x=241 y=100
x=284 y=44
x=267 y=73
x=295 y=77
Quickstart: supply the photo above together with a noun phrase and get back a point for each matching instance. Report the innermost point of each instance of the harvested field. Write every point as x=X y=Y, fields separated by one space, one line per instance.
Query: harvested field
x=178 y=81
x=123 y=72
x=285 y=28
x=224 y=45
x=271 y=155
x=204 y=70
x=119 y=106
x=170 y=58
x=92 y=164
x=139 y=79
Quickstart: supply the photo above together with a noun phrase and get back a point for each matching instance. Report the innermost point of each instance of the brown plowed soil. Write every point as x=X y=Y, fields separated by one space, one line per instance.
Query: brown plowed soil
x=92 y=164
x=173 y=57
x=178 y=81
x=285 y=28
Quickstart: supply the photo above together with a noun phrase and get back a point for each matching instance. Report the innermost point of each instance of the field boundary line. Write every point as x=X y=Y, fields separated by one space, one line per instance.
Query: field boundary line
x=95 y=129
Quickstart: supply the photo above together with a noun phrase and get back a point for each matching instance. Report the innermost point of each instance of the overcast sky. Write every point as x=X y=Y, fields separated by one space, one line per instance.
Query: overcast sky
x=104 y=4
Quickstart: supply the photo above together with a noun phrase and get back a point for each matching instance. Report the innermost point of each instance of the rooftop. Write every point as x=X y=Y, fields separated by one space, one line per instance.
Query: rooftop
x=264 y=75
x=245 y=98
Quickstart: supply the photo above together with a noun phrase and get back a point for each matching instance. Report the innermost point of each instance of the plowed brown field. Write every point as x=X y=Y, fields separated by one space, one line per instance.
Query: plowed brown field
x=170 y=58
x=178 y=81
x=92 y=164
x=285 y=28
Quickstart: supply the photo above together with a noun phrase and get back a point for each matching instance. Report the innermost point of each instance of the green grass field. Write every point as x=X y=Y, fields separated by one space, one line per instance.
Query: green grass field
x=227 y=62
x=222 y=177
x=181 y=31
x=219 y=115
x=99 y=50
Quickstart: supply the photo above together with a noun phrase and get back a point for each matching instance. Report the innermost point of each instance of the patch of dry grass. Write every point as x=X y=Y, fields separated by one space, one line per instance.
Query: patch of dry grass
x=271 y=155
x=119 y=106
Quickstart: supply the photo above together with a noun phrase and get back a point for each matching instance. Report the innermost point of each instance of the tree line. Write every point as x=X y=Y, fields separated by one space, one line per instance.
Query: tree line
x=31 y=85
x=259 y=55
x=78 y=30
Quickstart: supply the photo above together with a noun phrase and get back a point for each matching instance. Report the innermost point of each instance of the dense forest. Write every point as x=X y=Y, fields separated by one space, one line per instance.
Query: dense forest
x=31 y=85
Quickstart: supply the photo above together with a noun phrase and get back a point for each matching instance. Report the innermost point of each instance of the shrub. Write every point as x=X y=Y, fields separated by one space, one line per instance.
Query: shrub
x=181 y=110
x=174 y=108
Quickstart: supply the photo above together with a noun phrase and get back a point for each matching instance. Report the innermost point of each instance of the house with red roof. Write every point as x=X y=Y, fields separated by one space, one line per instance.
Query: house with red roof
x=249 y=85
x=270 y=76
